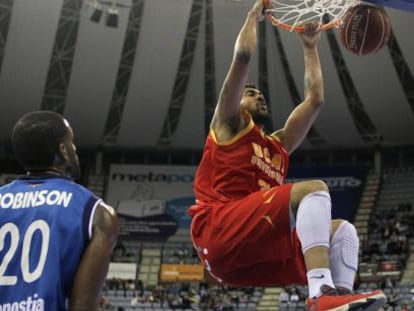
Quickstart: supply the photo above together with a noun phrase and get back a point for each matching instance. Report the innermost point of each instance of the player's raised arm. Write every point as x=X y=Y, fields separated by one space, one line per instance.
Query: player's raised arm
x=303 y=116
x=92 y=271
x=226 y=121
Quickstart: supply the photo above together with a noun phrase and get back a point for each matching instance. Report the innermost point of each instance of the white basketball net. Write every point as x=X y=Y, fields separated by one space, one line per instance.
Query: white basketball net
x=296 y=12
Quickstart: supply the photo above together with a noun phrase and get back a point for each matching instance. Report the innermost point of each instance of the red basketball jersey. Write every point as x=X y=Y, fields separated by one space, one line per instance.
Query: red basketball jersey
x=249 y=162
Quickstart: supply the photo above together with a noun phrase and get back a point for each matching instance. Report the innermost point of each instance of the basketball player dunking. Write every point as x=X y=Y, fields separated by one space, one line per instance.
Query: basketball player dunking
x=248 y=227
x=56 y=236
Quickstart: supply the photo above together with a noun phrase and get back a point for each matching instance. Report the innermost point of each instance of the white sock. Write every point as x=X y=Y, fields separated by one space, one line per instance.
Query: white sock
x=317 y=278
x=343 y=255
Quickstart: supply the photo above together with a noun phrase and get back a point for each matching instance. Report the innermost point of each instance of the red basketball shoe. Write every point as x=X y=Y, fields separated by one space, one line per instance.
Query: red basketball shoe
x=331 y=300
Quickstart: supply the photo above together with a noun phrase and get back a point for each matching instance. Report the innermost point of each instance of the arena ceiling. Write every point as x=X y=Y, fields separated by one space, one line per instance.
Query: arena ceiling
x=153 y=80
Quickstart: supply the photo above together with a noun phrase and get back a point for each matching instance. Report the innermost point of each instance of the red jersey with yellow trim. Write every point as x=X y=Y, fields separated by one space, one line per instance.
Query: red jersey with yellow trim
x=250 y=162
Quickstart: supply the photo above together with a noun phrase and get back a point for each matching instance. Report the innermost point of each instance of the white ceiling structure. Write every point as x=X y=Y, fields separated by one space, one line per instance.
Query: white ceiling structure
x=145 y=83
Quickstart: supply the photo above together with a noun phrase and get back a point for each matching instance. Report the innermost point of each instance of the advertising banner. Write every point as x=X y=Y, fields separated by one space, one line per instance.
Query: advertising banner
x=122 y=270
x=182 y=273
x=152 y=201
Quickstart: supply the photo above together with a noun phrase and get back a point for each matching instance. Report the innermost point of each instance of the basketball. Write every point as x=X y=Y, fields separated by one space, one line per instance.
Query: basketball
x=365 y=29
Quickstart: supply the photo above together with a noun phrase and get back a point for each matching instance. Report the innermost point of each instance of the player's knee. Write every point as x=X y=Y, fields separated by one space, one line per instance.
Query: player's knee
x=346 y=242
x=305 y=189
x=335 y=225
x=316 y=185
x=341 y=227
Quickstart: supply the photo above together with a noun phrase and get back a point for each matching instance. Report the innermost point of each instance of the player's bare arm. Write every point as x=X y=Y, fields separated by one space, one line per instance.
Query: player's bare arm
x=227 y=121
x=304 y=115
x=93 y=268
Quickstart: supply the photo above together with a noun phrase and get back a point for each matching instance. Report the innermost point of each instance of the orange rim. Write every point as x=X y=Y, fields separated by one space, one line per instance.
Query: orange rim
x=285 y=26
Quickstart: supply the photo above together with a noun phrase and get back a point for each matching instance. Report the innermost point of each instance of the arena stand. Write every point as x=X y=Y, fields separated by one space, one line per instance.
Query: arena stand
x=386 y=245
x=148 y=292
x=384 y=214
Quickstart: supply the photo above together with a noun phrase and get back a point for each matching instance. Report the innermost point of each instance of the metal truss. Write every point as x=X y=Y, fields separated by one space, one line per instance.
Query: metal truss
x=263 y=72
x=63 y=52
x=183 y=74
x=403 y=70
x=366 y=128
x=6 y=7
x=314 y=138
x=116 y=109
x=210 y=92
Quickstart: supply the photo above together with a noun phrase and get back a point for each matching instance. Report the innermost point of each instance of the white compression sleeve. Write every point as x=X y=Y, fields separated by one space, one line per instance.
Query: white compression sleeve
x=343 y=255
x=313 y=220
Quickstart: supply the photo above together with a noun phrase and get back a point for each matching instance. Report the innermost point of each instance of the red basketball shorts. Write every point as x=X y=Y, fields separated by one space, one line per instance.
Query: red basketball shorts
x=250 y=242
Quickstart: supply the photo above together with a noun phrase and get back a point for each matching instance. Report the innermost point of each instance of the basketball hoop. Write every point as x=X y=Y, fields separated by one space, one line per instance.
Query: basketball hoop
x=291 y=14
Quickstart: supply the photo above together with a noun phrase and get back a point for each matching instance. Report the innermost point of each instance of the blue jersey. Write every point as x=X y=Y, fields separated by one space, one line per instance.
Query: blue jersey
x=45 y=226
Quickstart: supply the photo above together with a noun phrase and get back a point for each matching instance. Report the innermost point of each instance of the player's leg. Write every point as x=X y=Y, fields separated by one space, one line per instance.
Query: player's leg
x=343 y=260
x=243 y=232
x=311 y=206
x=343 y=254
